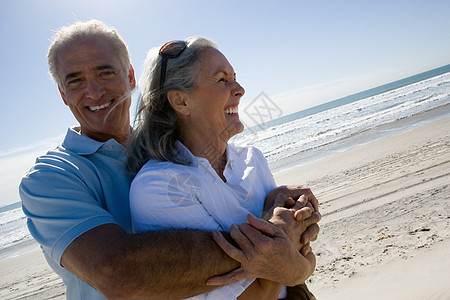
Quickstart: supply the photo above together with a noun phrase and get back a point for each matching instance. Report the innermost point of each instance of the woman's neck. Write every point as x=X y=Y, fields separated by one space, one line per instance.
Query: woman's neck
x=214 y=150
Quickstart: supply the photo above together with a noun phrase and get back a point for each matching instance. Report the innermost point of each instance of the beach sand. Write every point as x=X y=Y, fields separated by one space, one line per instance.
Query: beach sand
x=385 y=228
x=29 y=277
x=386 y=217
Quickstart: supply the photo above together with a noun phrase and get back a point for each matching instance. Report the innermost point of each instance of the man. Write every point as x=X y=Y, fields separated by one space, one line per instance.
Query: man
x=76 y=197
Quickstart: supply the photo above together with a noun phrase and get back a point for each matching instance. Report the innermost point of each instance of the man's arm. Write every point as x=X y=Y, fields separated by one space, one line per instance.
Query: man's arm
x=172 y=264
x=153 y=265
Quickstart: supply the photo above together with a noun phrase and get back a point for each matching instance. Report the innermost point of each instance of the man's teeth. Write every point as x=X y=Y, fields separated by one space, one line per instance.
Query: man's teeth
x=232 y=110
x=95 y=108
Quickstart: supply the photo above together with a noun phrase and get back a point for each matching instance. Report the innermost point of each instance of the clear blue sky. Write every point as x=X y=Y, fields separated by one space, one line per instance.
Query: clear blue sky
x=300 y=53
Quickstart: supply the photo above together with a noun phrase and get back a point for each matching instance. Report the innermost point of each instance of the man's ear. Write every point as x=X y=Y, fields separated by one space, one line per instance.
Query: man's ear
x=131 y=77
x=177 y=100
x=63 y=96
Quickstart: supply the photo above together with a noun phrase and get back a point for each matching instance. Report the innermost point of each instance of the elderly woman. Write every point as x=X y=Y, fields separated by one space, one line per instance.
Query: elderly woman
x=188 y=175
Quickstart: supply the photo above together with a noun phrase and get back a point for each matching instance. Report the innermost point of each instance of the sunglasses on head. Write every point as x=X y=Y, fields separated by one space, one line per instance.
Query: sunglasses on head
x=171 y=50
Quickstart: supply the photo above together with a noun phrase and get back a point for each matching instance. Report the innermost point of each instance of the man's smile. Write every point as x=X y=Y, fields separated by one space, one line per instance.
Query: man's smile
x=97 y=108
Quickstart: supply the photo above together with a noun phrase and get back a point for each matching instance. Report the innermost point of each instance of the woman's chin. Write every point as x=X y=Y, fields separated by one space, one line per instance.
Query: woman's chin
x=236 y=128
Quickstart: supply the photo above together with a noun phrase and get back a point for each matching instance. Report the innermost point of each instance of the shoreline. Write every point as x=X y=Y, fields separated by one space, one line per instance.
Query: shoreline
x=385 y=209
x=366 y=137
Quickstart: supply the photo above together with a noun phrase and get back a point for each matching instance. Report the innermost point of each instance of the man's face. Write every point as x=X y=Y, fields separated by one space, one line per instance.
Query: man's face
x=96 y=89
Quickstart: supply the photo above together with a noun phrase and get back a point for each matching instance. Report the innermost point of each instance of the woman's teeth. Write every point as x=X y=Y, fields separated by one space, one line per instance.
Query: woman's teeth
x=96 y=108
x=232 y=110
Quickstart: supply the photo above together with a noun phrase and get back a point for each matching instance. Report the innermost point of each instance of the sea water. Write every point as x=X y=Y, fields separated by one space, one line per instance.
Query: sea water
x=310 y=134
x=14 y=236
x=350 y=121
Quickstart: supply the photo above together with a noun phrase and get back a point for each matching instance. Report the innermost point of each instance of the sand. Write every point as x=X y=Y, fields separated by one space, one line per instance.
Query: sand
x=29 y=277
x=385 y=228
x=386 y=217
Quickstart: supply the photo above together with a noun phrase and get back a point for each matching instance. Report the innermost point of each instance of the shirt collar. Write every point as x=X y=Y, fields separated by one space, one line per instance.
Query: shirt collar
x=83 y=145
x=184 y=154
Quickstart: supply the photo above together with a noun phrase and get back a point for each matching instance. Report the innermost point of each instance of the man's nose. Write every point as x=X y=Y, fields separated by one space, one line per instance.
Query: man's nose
x=94 y=90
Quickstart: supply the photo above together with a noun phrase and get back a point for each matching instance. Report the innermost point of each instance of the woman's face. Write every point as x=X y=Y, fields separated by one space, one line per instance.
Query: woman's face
x=214 y=100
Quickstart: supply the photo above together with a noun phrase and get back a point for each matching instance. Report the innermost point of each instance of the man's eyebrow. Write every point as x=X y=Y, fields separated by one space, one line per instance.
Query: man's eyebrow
x=104 y=67
x=99 y=68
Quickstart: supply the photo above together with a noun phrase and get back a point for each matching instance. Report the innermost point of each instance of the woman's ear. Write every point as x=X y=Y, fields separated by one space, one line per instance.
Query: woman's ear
x=177 y=100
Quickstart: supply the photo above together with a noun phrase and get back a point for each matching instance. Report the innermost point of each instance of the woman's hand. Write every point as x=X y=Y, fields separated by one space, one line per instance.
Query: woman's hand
x=265 y=251
x=303 y=202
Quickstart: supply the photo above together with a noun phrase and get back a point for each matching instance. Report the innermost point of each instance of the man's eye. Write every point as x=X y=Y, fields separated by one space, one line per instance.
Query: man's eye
x=73 y=83
x=107 y=74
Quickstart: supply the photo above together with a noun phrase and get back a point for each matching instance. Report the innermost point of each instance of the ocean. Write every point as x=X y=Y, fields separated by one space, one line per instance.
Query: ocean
x=310 y=134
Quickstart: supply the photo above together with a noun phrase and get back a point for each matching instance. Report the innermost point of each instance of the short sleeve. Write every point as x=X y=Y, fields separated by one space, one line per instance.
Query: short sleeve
x=60 y=203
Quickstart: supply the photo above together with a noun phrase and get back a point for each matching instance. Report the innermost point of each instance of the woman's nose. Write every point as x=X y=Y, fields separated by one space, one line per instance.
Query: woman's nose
x=239 y=91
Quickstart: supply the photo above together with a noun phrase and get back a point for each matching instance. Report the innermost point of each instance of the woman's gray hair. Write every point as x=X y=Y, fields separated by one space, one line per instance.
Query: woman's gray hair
x=157 y=127
x=92 y=29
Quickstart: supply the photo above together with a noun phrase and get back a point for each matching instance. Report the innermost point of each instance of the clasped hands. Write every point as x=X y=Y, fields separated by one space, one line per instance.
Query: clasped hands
x=276 y=247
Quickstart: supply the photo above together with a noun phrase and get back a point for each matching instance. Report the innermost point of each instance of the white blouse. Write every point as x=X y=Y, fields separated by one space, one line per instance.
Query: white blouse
x=165 y=195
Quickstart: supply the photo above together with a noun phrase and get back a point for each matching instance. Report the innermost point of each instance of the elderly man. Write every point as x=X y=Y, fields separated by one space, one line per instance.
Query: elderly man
x=76 y=197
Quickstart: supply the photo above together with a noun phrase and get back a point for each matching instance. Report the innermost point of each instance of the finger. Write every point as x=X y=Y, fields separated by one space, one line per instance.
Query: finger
x=305 y=249
x=301 y=202
x=313 y=200
x=233 y=276
x=315 y=218
x=295 y=191
x=289 y=202
x=263 y=226
x=281 y=200
x=227 y=247
x=310 y=234
x=311 y=197
x=241 y=239
x=303 y=213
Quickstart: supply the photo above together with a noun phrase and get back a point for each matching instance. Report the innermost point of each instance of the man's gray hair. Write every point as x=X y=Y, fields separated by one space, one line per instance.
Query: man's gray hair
x=92 y=29
x=157 y=127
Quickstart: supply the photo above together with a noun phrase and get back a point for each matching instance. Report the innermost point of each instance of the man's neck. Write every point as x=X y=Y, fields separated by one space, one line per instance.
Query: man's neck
x=121 y=136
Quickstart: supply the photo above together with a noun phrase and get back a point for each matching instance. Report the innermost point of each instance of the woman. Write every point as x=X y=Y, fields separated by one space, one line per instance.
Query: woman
x=189 y=176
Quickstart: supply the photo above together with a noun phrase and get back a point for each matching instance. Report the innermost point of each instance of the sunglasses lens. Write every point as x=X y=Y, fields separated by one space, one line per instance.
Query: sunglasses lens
x=169 y=50
x=172 y=49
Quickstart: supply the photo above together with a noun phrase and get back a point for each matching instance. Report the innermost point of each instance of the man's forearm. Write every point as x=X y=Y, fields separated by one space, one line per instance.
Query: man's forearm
x=152 y=265
x=179 y=262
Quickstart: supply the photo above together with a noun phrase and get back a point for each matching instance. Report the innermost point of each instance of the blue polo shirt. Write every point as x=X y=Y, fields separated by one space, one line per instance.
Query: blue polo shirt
x=78 y=186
